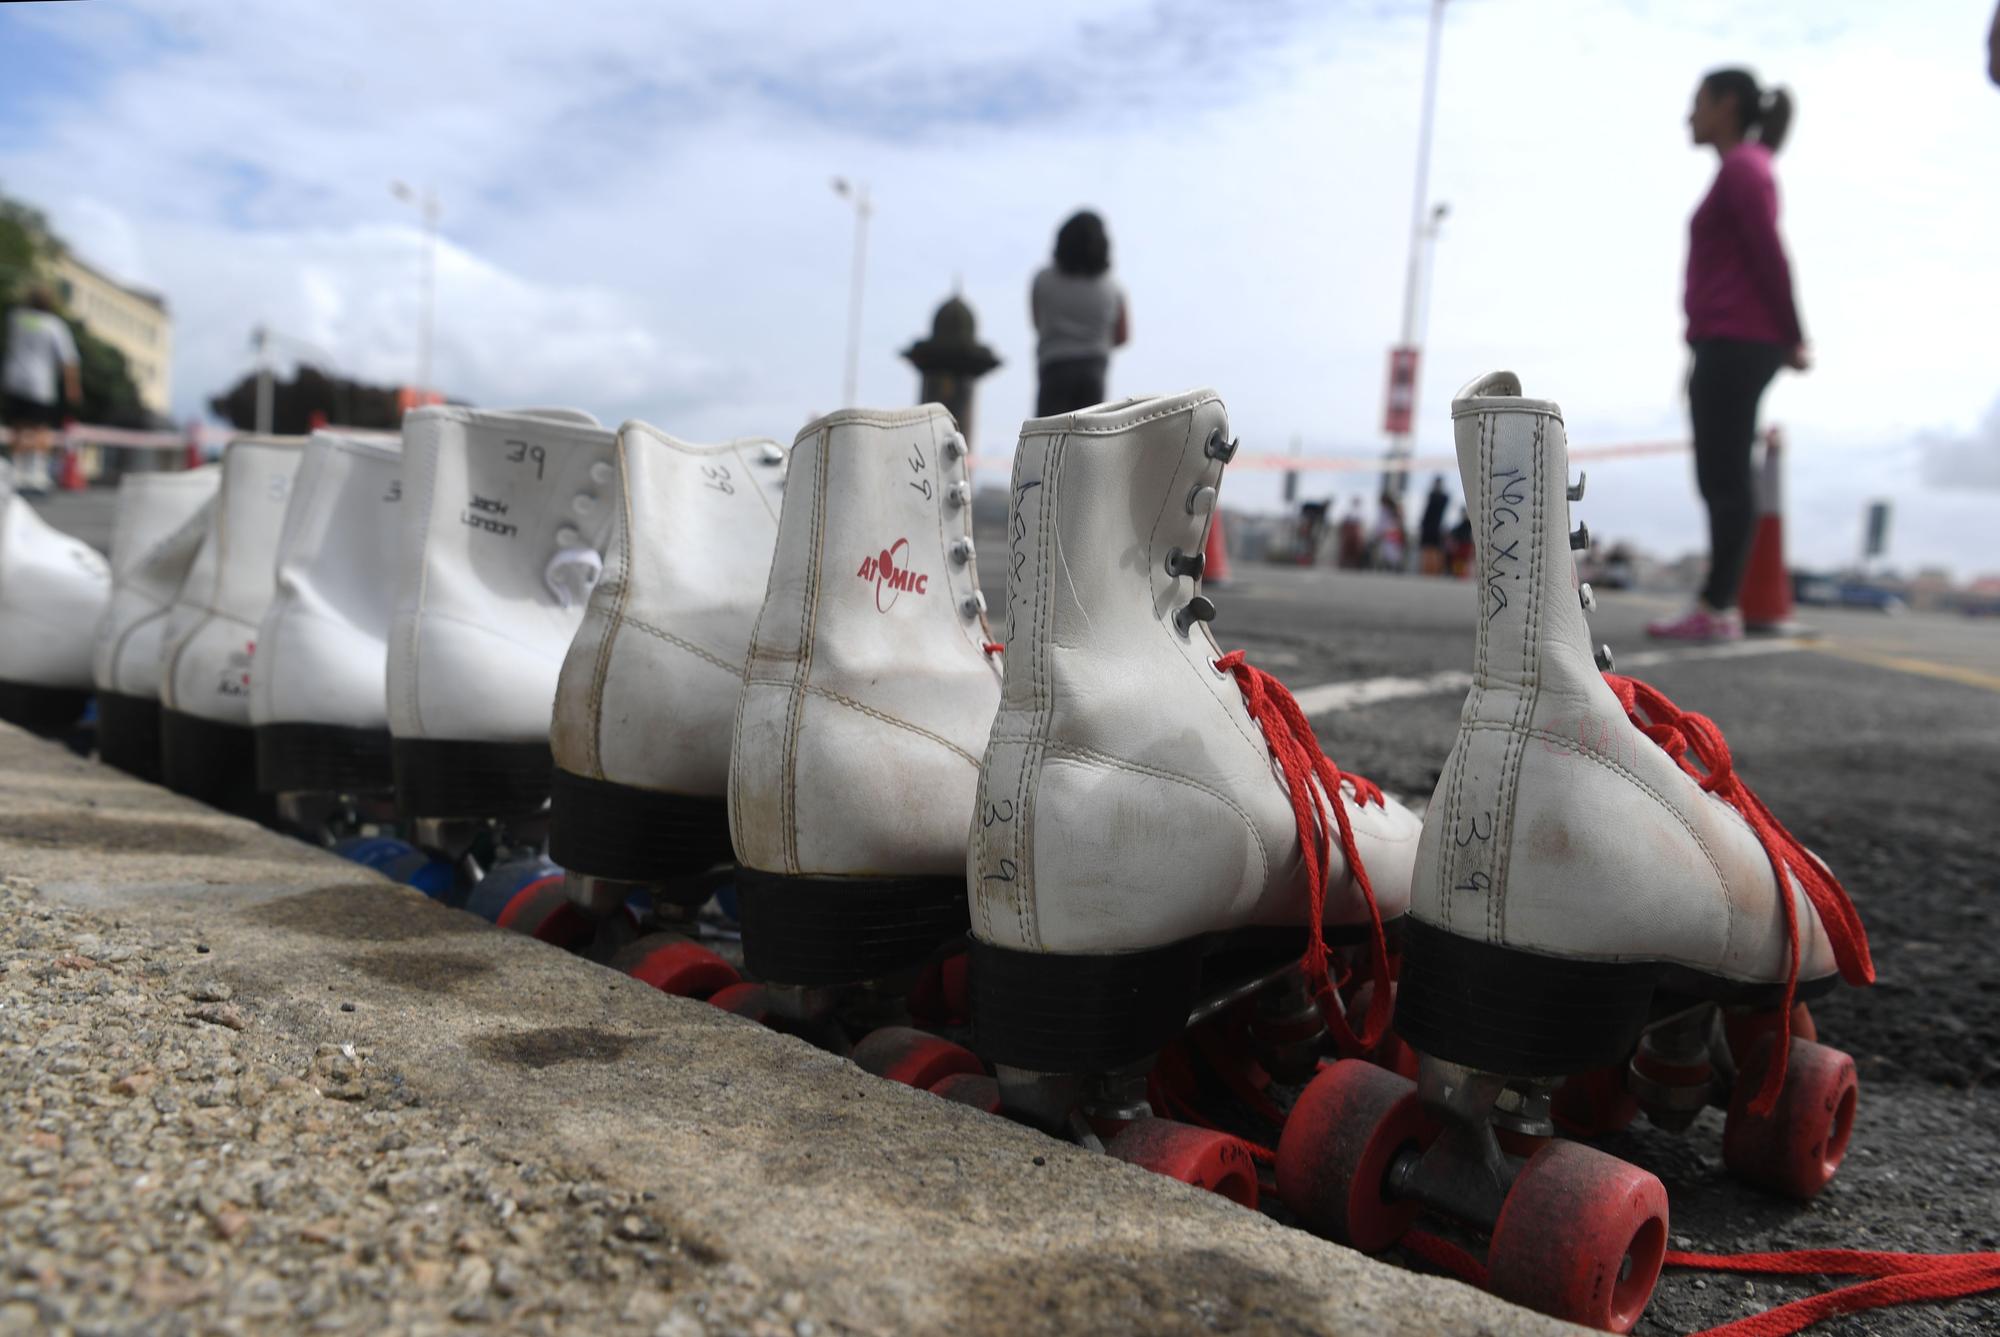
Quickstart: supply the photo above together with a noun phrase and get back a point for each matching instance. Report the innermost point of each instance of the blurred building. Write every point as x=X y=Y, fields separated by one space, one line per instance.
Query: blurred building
x=132 y=320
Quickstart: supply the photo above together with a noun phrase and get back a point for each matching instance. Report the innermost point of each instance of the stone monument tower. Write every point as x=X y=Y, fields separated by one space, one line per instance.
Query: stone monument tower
x=951 y=362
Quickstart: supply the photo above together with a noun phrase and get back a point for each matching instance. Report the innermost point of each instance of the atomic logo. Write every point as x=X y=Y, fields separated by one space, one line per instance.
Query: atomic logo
x=888 y=572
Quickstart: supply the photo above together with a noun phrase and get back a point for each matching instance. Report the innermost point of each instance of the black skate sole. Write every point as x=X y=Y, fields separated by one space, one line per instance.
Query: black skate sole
x=627 y=834
x=1526 y=1014
x=128 y=734
x=323 y=759
x=823 y=932
x=1062 y=1013
x=212 y=762
x=448 y=777
x=39 y=709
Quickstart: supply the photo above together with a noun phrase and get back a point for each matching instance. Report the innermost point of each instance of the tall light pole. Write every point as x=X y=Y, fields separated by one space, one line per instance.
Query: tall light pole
x=858 y=193
x=426 y=203
x=1401 y=417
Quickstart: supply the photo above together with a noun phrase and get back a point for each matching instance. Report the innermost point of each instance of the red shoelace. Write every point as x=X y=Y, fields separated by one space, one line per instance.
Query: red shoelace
x=1310 y=775
x=1681 y=732
x=1893 y=1279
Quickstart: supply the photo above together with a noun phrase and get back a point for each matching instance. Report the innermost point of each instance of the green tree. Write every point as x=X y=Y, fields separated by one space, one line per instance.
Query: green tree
x=27 y=248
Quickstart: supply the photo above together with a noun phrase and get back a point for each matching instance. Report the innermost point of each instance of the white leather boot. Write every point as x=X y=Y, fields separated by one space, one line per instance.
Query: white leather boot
x=866 y=700
x=1574 y=876
x=505 y=520
x=53 y=589
x=646 y=702
x=1135 y=816
x=317 y=700
x=158 y=527
x=206 y=748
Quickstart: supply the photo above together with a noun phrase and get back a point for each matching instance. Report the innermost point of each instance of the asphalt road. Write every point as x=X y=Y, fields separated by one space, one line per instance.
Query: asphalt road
x=1878 y=744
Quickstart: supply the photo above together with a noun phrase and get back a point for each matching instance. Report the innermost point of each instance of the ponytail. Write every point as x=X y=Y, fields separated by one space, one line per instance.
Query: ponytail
x=1763 y=115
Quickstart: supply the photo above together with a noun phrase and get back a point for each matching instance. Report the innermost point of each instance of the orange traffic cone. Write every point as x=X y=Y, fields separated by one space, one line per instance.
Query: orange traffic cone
x=1766 y=599
x=1215 y=553
x=69 y=475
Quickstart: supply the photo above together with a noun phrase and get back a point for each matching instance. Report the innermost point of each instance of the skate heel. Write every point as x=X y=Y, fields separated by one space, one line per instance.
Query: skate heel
x=41 y=709
x=445 y=777
x=322 y=759
x=128 y=734
x=1050 y=1012
x=829 y=931
x=1503 y=1010
x=625 y=834
x=214 y=763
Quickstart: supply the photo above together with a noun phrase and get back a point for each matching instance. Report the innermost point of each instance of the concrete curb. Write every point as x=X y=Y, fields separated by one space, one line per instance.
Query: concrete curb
x=891 y=1209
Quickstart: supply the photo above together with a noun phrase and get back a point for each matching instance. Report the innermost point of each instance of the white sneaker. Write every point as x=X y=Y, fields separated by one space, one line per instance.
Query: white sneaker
x=868 y=694
x=1136 y=823
x=317 y=700
x=206 y=748
x=647 y=698
x=505 y=520
x=53 y=588
x=158 y=527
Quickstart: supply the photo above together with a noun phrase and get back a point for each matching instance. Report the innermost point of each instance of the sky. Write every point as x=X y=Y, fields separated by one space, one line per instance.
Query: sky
x=637 y=215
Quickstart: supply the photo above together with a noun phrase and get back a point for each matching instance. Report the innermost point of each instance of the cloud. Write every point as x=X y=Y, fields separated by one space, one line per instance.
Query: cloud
x=1965 y=461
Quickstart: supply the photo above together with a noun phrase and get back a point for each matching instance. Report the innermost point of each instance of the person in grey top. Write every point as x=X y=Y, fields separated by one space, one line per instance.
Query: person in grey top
x=1080 y=316
x=41 y=364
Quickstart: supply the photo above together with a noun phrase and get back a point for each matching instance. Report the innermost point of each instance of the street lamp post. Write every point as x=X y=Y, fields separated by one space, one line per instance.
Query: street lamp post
x=1424 y=221
x=426 y=203
x=858 y=193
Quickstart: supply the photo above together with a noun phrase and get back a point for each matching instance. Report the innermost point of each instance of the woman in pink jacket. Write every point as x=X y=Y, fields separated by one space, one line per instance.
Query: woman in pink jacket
x=1742 y=325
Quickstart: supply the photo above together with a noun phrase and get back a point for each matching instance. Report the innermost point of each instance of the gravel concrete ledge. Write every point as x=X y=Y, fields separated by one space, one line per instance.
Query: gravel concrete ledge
x=248 y=1084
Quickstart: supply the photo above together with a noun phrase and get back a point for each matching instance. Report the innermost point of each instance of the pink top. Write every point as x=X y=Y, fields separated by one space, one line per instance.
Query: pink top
x=1739 y=284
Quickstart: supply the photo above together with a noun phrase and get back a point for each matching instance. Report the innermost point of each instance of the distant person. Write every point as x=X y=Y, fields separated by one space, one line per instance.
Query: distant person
x=41 y=372
x=1742 y=325
x=1353 y=541
x=1461 y=543
x=1430 y=530
x=1080 y=316
x=1391 y=540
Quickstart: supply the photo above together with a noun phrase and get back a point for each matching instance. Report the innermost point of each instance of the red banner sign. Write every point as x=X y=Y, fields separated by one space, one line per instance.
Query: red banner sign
x=1401 y=403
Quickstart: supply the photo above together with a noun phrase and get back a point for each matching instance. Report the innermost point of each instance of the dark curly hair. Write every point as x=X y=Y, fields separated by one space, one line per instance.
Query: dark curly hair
x=1765 y=111
x=1082 y=247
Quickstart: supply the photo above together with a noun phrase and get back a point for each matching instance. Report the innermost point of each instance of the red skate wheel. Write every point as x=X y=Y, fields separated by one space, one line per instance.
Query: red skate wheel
x=1204 y=1157
x=1338 y=1143
x=1795 y=1149
x=977 y=1090
x=542 y=910
x=1593 y=1103
x=913 y=1057
x=1392 y=1051
x=750 y=1001
x=673 y=964
x=942 y=995
x=1581 y=1237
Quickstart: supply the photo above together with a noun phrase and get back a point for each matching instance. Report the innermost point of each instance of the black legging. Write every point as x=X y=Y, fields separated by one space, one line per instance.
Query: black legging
x=1728 y=379
x=1069 y=384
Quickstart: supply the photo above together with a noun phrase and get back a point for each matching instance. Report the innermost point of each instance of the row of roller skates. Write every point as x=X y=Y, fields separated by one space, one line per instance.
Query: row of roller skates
x=1095 y=875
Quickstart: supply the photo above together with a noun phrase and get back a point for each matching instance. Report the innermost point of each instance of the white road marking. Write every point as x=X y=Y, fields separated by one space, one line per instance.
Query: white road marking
x=1328 y=698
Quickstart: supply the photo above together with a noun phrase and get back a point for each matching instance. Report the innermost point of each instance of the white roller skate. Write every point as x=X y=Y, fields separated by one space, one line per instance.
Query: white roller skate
x=647 y=698
x=206 y=748
x=504 y=524
x=53 y=590
x=1157 y=830
x=158 y=528
x=317 y=700
x=1595 y=887
x=870 y=687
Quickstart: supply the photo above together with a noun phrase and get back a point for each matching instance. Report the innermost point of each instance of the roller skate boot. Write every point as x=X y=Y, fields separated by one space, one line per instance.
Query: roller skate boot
x=871 y=681
x=505 y=516
x=1158 y=839
x=647 y=698
x=318 y=703
x=159 y=526
x=53 y=590
x=207 y=750
x=1595 y=889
